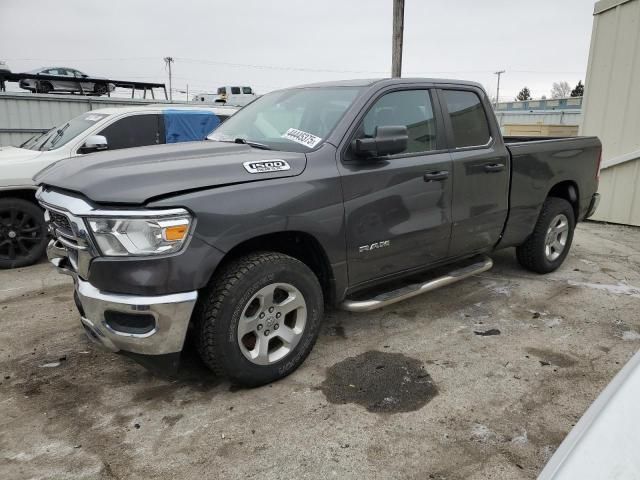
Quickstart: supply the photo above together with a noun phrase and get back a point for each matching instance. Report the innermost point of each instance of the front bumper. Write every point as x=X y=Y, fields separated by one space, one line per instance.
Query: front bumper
x=165 y=317
x=593 y=205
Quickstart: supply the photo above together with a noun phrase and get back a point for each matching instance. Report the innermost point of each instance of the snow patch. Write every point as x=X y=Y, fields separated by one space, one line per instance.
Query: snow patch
x=631 y=335
x=619 y=289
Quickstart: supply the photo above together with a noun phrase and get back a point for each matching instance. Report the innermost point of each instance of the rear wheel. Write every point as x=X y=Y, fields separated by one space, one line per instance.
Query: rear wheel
x=549 y=244
x=259 y=318
x=23 y=233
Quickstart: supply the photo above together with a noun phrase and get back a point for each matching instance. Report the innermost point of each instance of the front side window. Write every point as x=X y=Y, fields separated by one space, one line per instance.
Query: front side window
x=410 y=108
x=222 y=91
x=468 y=120
x=235 y=90
x=294 y=120
x=134 y=131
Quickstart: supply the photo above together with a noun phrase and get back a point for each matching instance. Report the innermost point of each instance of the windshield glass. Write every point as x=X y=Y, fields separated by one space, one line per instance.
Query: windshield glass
x=295 y=120
x=59 y=136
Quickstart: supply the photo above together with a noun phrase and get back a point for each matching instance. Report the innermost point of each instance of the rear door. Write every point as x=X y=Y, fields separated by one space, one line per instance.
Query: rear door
x=480 y=171
x=397 y=208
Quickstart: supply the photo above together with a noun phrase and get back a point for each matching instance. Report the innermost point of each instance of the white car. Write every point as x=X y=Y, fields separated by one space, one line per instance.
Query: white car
x=605 y=443
x=23 y=235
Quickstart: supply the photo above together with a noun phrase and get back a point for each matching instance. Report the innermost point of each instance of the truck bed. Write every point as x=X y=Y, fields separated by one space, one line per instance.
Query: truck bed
x=537 y=165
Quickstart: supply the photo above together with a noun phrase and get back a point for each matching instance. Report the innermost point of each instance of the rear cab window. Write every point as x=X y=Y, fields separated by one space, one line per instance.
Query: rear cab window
x=468 y=120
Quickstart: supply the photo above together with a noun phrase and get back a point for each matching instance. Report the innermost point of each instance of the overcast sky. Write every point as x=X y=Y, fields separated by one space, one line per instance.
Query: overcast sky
x=278 y=43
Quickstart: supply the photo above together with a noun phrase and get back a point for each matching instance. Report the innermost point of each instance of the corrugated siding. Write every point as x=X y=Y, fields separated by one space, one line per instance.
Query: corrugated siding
x=23 y=114
x=544 y=118
x=612 y=105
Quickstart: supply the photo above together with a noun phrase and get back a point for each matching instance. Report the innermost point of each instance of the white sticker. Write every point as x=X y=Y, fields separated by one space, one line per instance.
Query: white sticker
x=304 y=138
x=266 y=166
x=94 y=117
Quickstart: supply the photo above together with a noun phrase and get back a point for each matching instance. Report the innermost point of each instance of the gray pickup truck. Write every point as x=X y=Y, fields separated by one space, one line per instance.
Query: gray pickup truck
x=355 y=194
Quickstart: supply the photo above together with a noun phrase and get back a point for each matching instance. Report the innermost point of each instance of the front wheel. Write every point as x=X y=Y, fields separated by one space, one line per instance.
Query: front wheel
x=23 y=233
x=548 y=245
x=259 y=318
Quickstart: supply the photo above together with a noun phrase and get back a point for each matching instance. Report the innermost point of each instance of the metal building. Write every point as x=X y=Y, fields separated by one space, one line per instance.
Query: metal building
x=612 y=107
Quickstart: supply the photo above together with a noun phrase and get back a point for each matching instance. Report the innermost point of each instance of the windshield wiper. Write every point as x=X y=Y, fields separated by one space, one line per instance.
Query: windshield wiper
x=59 y=133
x=244 y=141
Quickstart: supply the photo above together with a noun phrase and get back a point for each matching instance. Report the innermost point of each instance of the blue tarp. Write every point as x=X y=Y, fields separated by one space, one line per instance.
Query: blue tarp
x=188 y=125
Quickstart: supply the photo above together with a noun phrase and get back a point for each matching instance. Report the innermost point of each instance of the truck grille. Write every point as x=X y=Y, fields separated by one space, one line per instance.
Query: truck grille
x=61 y=229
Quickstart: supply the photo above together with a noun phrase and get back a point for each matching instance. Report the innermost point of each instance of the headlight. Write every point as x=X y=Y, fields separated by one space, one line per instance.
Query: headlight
x=140 y=236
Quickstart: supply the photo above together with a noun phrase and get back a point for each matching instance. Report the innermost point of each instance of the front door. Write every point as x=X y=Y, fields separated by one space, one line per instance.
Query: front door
x=398 y=208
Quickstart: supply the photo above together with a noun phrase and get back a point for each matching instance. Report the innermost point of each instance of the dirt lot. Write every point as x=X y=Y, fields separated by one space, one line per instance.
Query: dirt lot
x=410 y=391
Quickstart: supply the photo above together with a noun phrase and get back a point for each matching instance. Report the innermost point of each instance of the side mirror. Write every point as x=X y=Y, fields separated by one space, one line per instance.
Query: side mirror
x=387 y=141
x=94 y=143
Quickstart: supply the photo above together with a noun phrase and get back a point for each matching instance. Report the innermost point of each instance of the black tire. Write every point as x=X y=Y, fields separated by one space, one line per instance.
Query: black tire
x=100 y=88
x=531 y=254
x=227 y=297
x=44 y=87
x=23 y=233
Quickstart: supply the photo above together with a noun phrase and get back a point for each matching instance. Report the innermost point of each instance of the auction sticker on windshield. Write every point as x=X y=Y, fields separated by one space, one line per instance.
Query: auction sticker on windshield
x=304 y=138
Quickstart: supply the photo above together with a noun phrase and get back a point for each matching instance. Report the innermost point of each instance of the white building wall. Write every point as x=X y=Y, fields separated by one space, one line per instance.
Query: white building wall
x=612 y=107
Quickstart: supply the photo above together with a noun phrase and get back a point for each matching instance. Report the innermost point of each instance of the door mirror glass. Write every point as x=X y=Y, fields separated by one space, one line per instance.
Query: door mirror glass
x=94 y=143
x=388 y=140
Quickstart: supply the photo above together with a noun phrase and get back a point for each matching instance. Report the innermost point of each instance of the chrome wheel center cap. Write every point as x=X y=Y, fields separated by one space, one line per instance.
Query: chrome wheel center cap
x=12 y=234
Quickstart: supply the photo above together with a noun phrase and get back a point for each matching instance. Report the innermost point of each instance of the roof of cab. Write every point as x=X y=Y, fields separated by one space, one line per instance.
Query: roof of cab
x=368 y=82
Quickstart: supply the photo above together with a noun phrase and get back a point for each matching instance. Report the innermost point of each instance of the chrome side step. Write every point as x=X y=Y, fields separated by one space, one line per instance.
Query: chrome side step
x=480 y=264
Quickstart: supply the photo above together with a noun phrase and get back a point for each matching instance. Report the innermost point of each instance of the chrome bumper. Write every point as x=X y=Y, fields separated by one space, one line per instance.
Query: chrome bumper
x=171 y=313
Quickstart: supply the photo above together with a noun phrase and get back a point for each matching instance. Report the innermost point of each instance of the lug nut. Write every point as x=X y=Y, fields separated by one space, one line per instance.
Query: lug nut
x=278 y=315
x=276 y=326
x=266 y=333
x=259 y=326
x=271 y=309
x=261 y=315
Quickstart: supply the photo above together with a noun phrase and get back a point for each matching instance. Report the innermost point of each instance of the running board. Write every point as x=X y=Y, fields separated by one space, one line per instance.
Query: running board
x=480 y=263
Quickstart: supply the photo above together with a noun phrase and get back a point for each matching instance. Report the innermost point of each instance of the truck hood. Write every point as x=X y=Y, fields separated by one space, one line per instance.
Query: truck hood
x=136 y=175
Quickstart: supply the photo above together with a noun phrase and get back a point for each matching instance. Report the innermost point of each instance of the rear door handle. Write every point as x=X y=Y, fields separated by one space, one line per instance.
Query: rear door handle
x=436 y=176
x=494 y=167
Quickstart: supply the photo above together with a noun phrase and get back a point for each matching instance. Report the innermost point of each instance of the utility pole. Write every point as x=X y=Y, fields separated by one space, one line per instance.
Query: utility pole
x=169 y=61
x=500 y=72
x=396 y=40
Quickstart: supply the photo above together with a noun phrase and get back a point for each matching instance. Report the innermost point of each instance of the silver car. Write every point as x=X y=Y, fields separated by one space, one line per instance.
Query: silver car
x=71 y=80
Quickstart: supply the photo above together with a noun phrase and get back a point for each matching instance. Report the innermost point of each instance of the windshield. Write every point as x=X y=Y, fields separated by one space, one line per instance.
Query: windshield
x=295 y=120
x=59 y=136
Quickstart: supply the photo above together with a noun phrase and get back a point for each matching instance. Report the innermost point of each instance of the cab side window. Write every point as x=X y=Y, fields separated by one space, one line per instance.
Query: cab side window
x=247 y=90
x=133 y=131
x=235 y=90
x=410 y=108
x=468 y=120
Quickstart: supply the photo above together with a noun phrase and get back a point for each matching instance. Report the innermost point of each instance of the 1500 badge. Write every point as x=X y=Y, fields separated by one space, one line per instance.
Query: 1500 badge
x=266 y=166
x=374 y=246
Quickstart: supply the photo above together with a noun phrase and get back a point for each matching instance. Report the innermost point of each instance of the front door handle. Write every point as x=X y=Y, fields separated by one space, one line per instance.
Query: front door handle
x=436 y=176
x=494 y=167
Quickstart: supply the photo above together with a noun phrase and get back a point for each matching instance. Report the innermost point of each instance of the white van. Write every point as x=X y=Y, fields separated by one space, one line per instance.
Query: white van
x=237 y=96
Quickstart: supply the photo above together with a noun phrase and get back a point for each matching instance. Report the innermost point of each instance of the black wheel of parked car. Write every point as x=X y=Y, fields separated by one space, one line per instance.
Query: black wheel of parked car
x=548 y=246
x=100 y=88
x=259 y=318
x=44 y=87
x=23 y=233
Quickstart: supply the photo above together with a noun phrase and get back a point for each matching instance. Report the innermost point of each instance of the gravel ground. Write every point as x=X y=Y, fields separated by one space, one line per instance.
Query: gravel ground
x=482 y=379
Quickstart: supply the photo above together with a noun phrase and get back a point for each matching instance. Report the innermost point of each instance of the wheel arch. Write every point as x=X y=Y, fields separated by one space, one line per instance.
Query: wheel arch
x=567 y=190
x=297 y=244
x=23 y=193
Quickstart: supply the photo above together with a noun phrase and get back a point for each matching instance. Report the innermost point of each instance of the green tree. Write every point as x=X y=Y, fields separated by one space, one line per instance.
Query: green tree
x=524 y=94
x=579 y=90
